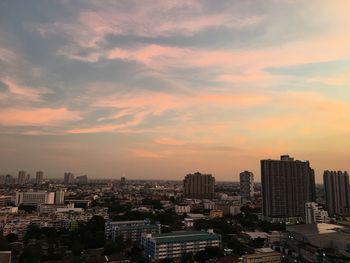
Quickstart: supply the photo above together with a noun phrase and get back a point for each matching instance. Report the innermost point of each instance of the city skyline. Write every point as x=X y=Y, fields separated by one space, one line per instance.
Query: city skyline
x=187 y=86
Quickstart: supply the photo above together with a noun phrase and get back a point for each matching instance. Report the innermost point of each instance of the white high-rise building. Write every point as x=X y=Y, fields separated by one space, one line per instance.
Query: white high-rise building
x=314 y=213
x=246 y=180
x=35 y=198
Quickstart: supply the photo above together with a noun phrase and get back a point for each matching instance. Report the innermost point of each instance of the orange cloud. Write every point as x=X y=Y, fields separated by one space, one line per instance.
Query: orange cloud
x=35 y=117
x=145 y=153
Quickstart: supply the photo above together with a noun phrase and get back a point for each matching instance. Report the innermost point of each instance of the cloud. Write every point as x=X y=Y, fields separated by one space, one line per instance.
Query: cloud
x=142 y=153
x=36 y=116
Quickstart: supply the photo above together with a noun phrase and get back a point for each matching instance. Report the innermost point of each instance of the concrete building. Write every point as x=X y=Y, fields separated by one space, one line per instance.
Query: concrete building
x=132 y=230
x=319 y=242
x=35 y=198
x=59 y=197
x=69 y=178
x=262 y=255
x=337 y=192
x=175 y=244
x=287 y=184
x=5 y=256
x=83 y=179
x=182 y=209
x=21 y=177
x=246 y=181
x=235 y=209
x=314 y=213
x=39 y=177
x=216 y=214
x=199 y=186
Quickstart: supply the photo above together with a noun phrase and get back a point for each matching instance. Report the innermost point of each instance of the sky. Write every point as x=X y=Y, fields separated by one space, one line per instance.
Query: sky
x=157 y=89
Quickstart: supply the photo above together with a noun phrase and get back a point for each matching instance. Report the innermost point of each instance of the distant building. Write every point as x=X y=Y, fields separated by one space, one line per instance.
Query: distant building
x=262 y=255
x=122 y=181
x=9 y=180
x=39 y=177
x=59 y=197
x=246 y=180
x=69 y=178
x=287 y=184
x=34 y=198
x=132 y=230
x=200 y=186
x=337 y=192
x=235 y=209
x=314 y=213
x=83 y=179
x=216 y=214
x=182 y=209
x=175 y=244
x=21 y=177
x=5 y=200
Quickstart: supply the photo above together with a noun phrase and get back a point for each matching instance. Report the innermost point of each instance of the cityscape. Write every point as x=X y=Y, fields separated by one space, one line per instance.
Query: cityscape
x=174 y=131
x=285 y=218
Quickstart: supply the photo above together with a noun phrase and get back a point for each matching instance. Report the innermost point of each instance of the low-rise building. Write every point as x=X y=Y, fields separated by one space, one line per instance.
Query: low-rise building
x=314 y=213
x=132 y=230
x=216 y=214
x=182 y=209
x=262 y=255
x=175 y=244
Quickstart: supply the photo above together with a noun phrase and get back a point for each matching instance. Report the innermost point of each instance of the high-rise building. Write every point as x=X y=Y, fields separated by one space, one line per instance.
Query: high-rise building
x=337 y=195
x=39 y=177
x=9 y=179
x=314 y=213
x=246 y=181
x=59 y=197
x=69 y=178
x=287 y=184
x=199 y=186
x=83 y=179
x=21 y=177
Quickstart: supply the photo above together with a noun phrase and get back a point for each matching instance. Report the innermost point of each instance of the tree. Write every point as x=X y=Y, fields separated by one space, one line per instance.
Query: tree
x=31 y=254
x=77 y=248
x=109 y=247
x=3 y=243
x=12 y=237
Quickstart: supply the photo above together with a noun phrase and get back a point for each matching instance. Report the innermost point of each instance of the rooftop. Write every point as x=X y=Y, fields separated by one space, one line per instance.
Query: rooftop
x=184 y=236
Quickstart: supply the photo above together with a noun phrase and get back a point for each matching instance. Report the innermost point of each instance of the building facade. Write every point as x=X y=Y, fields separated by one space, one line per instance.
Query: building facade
x=21 y=177
x=39 y=177
x=34 y=198
x=199 y=186
x=175 y=244
x=69 y=178
x=287 y=184
x=246 y=182
x=130 y=230
x=337 y=195
x=314 y=213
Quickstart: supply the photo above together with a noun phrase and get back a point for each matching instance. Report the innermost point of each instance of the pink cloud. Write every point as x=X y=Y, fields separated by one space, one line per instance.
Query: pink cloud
x=145 y=153
x=36 y=117
x=24 y=92
x=170 y=141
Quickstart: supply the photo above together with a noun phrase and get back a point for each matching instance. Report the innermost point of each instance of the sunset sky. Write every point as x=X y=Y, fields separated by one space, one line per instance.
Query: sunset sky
x=156 y=89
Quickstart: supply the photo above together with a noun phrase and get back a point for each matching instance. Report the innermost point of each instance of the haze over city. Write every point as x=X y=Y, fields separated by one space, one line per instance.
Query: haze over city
x=159 y=89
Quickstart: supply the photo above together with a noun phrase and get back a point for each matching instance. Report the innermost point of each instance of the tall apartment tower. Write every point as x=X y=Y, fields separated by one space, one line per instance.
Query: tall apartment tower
x=39 y=177
x=69 y=178
x=337 y=195
x=21 y=177
x=287 y=184
x=246 y=181
x=199 y=186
